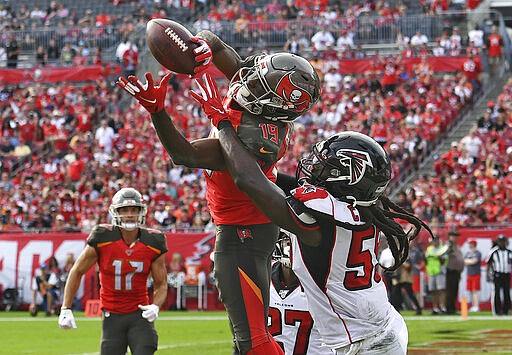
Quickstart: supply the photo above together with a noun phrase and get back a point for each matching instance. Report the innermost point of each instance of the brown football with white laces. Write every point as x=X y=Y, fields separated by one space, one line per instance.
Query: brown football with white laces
x=170 y=44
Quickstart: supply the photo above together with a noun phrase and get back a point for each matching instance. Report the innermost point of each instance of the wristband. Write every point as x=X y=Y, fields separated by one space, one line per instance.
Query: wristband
x=64 y=308
x=224 y=124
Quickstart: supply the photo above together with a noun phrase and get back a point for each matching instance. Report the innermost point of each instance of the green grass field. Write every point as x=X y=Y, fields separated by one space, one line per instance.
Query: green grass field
x=191 y=333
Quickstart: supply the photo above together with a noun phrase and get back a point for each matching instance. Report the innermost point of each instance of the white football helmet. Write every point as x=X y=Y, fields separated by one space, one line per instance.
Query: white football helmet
x=282 y=250
x=127 y=197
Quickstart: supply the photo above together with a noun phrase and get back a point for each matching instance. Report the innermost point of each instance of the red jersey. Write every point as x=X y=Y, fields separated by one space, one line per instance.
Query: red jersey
x=123 y=268
x=268 y=141
x=471 y=69
x=390 y=74
x=494 y=43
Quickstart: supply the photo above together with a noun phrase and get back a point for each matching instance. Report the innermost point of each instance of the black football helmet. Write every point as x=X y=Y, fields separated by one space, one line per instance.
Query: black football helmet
x=350 y=166
x=126 y=197
x=282 y=249
x=280 y=86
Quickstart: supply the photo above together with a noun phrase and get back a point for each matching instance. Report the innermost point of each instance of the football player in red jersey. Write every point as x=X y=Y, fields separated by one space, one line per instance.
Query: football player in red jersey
x=266 y=93
x=126 y=254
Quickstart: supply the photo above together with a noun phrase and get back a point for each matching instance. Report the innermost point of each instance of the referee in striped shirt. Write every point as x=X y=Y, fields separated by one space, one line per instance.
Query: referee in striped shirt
x=499 y=264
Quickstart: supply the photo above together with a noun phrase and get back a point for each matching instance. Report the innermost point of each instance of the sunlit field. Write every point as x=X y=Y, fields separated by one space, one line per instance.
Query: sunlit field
x=191 y=333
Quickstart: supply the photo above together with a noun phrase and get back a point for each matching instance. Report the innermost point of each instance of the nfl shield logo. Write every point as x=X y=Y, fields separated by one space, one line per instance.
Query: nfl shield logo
x=283 y=293
x=129 y=252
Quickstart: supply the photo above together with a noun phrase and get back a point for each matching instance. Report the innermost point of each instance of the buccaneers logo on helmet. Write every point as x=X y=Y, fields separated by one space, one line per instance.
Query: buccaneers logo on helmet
x=294 y=97
x=356 y=162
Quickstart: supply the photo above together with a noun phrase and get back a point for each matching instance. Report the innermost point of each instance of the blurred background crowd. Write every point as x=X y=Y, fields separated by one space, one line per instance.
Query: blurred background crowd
x=66 y=147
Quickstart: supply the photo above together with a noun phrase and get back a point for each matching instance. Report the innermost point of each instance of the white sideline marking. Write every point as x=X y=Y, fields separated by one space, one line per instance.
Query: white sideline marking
x=174 y=346
x=96 y=319
x=224 y=318
x=456 y=318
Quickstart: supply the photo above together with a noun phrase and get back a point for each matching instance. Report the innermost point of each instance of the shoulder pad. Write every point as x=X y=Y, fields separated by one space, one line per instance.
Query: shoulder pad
x=319 y=200
x=102 y=233
x=267 y=140
x=153 y=238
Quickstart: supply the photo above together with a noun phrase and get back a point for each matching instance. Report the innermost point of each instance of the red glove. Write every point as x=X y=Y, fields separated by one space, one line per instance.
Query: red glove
x=203 y=54
x=210 y=100
x=149 y=95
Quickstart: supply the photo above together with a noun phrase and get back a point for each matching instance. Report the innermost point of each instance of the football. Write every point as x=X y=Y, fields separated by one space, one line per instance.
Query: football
x=170 y=44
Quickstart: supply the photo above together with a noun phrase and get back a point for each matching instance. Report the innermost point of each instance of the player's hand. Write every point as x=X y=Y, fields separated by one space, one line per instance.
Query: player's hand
x=150 y=312
x=66 y=319
x=210 y=99
x=203 y=55
x=151 y=95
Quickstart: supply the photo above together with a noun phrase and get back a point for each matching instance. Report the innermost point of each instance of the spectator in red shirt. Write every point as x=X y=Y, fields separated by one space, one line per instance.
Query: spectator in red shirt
x=75 y=168
x=472 y=69
x=494 y=46
x=68 y=206
x=130 y=60
x=161 y=197
x=390 y=78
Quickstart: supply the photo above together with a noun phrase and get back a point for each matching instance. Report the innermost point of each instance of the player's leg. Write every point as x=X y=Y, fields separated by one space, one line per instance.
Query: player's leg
x=241 y=265
x=113 y=334
x=391 y=341
x=142 y=336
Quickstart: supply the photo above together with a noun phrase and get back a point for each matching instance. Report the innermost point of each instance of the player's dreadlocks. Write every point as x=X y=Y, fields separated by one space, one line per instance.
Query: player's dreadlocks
x=398 y=239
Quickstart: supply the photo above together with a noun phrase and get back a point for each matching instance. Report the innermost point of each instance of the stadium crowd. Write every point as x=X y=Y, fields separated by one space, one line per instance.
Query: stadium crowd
x=54 y=31
x=472 y=183
x=84 y=142
x=66 y=148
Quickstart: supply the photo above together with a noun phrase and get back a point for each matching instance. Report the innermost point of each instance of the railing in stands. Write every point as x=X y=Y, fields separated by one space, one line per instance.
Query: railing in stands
x=371 y=32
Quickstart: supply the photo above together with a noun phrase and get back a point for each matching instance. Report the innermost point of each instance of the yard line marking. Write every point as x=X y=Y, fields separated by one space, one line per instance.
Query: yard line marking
x=224 y=318
x=456 y=318
x=95 y=319
x=174 y=346
x=187 y=345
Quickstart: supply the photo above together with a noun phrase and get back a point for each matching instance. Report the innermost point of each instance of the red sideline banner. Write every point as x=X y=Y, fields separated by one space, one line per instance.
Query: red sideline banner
x=52 y=75
x=91 y=72
x=438 y=64
x=22 y=254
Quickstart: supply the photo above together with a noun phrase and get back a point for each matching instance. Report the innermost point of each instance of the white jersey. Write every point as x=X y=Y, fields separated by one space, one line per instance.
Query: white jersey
x=289 y=322
x=347 y=297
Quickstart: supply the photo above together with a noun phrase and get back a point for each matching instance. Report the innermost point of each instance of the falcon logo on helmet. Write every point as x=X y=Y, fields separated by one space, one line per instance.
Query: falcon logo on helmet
x=294 y=97
x=356 y=162
x=351 y=166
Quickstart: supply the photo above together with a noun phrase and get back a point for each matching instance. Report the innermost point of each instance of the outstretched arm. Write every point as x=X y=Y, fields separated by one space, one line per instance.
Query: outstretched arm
x=249 y=178
x=203 y=153
x=225 y=58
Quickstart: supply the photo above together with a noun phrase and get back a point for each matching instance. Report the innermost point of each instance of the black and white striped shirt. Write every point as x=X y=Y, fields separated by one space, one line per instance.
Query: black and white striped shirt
x=500 y=260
